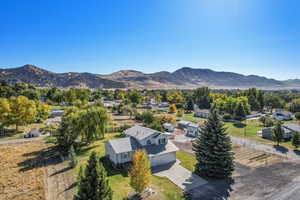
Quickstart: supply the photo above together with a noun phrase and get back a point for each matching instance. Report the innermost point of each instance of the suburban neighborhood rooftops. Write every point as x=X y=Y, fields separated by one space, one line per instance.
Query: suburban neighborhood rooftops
x=292 y=127
x=194 y=125
x=206 y=111
x=184 y=122
x=160 y=149
x=123 y=144
x=140 y=132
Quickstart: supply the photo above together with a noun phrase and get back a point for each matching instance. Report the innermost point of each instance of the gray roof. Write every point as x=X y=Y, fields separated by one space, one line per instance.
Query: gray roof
x=160 y=149
x=194 y=125
x=140 y=132
x=168 y=124
x=183 y=122
x=292 y=127
x=123 y=145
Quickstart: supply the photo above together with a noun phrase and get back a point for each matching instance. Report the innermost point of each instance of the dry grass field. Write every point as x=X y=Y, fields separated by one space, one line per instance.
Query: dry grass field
x=21 y=174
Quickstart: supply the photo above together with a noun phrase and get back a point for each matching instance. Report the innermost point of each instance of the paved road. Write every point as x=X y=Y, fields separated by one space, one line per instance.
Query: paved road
x=2 y=142
x=282 y=151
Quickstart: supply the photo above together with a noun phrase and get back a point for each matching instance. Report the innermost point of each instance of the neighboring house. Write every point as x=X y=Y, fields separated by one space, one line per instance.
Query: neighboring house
x=289 y=129
x=282 y=115
x=203 y=113
x=193 y=130
x=35 y=132
x=254 y=115
x=160 y=150
x=169 y=127
x=183 y=124
x=163 y=105
x=56 y=112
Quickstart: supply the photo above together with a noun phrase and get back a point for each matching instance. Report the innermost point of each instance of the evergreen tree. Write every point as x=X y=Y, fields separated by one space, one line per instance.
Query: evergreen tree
x=296 y=140
x=190 y=105
x=213 y=149
x=239 y=112
x=278 y=133
x=72 y=156
x=93 y=182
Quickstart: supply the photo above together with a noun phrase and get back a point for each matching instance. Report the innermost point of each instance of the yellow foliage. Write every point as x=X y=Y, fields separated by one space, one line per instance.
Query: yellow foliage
x=140 y=173
x=172 y=108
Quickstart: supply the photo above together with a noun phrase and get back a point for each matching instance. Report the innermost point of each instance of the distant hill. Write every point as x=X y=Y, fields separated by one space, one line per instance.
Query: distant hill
x=183 y=78
x=43 y=78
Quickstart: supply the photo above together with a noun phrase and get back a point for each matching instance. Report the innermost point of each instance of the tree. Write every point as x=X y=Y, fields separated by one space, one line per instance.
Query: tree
x=296 y=140
x=202 y=98
x=190 y=105
x=213 y=149
x=140 y=173
x=43 y=111
x=23 y=111
x=147 y=117
x=297 y=115
x=295 y=106
x=278 y=133
x=172 y=108
x=93 y=182
x=156 y=125
x=179 y=113
x=4 y=111
x=273 y=101
x=134 y=96
x=239 y=112
x=93 y=123
x=175 y=97
x=72 y=156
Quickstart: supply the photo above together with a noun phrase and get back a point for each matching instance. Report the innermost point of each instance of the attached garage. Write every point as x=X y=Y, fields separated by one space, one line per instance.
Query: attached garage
x=162 y=159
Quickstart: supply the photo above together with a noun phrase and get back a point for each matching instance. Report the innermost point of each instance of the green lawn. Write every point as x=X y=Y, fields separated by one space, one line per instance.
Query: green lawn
x=190 y=117
x=186 y=160
x=119 y=180
x=251 y=132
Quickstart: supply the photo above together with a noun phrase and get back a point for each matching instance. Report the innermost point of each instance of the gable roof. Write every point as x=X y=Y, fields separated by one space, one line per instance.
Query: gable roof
x=292 y=127
x=123 y=145
x=140 y=132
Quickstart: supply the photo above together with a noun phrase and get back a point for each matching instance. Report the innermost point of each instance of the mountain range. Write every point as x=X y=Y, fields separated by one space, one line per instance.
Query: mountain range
x=183 y=78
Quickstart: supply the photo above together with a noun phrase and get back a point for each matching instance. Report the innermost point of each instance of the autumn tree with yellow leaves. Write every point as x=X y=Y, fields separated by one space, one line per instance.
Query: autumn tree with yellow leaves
x=140 y=173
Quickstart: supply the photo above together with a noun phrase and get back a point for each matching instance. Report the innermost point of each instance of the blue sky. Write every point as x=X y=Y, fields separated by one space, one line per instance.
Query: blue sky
x=102 y=36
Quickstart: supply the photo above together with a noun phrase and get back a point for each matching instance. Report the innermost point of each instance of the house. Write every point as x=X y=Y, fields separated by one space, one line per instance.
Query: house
x=160 y=150
x=254 y=115
x=56 y=112
x=193 y=130
x=35 y=132
x=163 y=105
x=203 y=113
x=183 y=124
x=169 y=127
x=282 y=115
x=288 y=129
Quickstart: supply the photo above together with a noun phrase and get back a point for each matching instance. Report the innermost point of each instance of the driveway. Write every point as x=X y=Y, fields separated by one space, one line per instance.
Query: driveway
x=3 y=142
x=179 y=175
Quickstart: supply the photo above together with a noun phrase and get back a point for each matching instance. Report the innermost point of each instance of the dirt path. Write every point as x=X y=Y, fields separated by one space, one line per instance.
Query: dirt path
x=60 y=181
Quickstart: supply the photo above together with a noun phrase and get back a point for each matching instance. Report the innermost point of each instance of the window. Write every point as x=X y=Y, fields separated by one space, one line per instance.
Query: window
x=148 y=142
x=162 y=141
x=125 y=155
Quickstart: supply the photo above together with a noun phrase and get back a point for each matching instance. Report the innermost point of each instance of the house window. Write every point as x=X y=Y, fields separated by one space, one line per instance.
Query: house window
x=125 y=155
x=148 y=142
x=162 y=141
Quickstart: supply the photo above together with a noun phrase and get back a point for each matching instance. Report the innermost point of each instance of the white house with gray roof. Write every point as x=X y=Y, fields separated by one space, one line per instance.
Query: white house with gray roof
x=160 y=150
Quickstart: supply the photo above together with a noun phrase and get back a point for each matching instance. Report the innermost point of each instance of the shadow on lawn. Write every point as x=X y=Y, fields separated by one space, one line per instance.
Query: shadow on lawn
x=42 y=158
x=239 y=125
x=112 y=170
x=281 y=149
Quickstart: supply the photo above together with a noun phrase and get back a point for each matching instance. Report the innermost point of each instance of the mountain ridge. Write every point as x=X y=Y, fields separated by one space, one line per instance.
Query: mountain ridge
x=182 y=78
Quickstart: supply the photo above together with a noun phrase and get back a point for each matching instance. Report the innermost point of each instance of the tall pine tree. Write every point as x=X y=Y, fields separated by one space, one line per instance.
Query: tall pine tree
x=93 y=182
x=213 y=149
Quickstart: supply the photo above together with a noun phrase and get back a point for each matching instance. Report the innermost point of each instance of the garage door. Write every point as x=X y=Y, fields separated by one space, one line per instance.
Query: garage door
x=163 y=159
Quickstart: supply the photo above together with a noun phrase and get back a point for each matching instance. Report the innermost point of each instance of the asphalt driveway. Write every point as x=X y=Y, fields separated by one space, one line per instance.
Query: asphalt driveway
x=179 y=175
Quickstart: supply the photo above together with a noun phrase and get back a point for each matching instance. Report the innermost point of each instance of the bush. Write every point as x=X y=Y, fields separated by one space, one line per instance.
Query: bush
x=147 y=117
x=123 y=128
x=297 y=115
x=179 y=113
